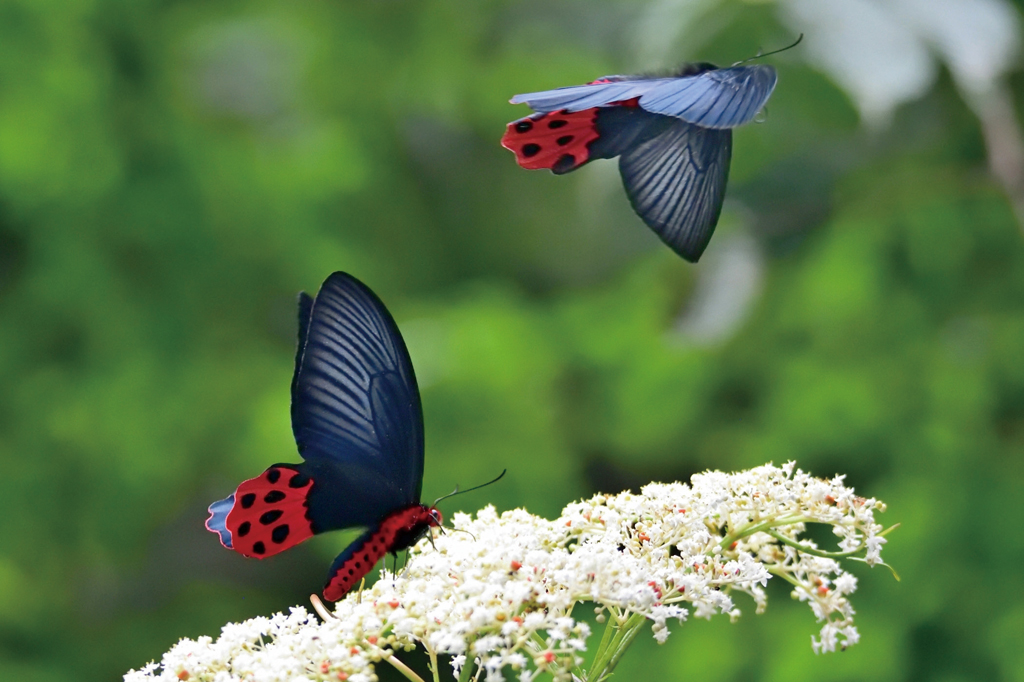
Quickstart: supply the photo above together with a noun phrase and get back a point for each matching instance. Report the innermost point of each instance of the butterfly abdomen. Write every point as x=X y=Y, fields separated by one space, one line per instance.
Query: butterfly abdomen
x=397 y=531
x=265 y=515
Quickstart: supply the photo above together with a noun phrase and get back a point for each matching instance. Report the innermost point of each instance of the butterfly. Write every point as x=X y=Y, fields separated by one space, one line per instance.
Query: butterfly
x=673 y=137
x=358 y=424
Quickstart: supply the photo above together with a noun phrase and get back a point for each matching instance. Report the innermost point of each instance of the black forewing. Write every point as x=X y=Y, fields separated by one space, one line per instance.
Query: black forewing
x=622 y=128
x=676 y=183
x=719 y=98
x=356 y=410
x=305 y=309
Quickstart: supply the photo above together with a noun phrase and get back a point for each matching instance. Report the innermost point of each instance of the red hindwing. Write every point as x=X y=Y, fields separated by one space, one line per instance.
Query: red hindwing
x=269 y=513
x=557 y=141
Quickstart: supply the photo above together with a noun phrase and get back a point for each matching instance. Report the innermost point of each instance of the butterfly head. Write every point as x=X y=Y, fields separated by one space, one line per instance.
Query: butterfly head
x=410 y=524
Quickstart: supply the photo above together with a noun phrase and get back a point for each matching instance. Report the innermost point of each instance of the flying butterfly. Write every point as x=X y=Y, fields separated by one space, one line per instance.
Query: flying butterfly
x=358 y=423
x=673 y=137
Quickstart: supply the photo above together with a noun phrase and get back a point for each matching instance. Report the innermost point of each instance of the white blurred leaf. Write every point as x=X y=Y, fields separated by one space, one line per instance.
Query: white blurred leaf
x=878 y=60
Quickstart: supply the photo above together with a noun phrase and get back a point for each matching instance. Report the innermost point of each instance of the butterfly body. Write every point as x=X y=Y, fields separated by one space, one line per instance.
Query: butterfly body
x=672 y=136
x=358 y=424
x=397 y=531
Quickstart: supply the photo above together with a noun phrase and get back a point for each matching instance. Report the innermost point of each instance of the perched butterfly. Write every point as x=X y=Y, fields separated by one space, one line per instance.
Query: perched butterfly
x=358 y=424
x=673 y=137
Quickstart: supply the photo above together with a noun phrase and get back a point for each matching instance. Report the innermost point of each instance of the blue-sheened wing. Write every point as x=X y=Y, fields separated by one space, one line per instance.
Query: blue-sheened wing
x=720 y=98
x=580 y=97
x=676 y=183
x=356 y=410
x=305 y=310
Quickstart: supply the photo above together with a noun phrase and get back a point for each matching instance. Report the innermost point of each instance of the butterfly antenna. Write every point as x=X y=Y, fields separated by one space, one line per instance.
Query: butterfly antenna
x=468 y=490
x=765 y=54
x=463 y=530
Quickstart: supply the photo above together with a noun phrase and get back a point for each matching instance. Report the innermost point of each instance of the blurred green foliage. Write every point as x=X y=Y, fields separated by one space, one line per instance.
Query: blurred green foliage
x=171 y=174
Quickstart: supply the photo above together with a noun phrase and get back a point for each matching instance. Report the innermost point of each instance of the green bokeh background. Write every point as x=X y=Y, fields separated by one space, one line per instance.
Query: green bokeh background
x=172 y=173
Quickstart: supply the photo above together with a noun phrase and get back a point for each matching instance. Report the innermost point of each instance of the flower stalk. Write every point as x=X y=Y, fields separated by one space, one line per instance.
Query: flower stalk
x=501 y=599
x=610 y=651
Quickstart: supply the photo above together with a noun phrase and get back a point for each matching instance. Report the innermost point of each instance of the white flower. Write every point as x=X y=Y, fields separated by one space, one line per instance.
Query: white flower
x=874 y=546
x=503 y=592
x=846 y=583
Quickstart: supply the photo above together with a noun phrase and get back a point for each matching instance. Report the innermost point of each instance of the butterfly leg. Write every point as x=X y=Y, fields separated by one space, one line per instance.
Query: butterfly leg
x=405 y=564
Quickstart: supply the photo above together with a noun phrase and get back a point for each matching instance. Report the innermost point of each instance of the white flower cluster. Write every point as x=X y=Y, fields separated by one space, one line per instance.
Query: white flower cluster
x=499 y=591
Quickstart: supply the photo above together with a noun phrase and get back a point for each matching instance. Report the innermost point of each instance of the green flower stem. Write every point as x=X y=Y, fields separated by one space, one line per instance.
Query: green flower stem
x=763 y=526
x=539 y=641
x=433 y=663
x=611 y=651
x=609 y=630
x=603 y=652
x=785 y=576
x=880 y=563
x=467 y=667
x=629 y=633
x=406 y=671
x=811 y=550
x=385 y=655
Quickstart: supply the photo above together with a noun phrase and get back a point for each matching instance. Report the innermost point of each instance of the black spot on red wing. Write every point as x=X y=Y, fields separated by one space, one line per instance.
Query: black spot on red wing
x=259 y=548
x=552 y=136
x=269 y=517
x=524 y=127
x=298 y=481
x=564 y=164
x=270 y=513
